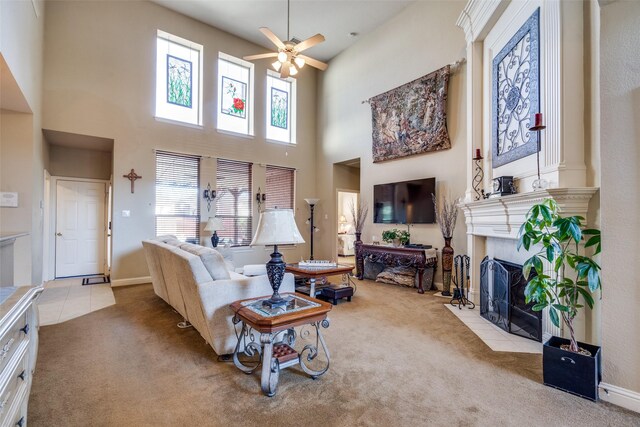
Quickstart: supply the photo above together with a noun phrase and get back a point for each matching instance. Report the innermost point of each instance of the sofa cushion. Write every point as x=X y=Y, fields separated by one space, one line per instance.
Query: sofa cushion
x=212 y=260
x=254 y=269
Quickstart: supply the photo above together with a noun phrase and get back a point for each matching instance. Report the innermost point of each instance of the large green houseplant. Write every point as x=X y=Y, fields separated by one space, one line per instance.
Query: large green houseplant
x=575 y=276
x=568 y=365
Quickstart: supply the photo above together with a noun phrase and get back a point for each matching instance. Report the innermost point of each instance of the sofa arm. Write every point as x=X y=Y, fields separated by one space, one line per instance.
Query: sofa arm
x=216 y=296
x=254 y=270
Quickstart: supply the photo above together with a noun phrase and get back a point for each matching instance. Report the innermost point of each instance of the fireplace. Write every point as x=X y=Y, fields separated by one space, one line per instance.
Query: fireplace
x=502 y=300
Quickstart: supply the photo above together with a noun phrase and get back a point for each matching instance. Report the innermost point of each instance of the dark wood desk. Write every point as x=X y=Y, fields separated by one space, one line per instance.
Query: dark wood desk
x=396 y=257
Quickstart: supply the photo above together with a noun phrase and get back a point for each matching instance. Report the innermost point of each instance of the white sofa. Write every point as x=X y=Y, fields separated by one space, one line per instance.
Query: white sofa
x=200 y=285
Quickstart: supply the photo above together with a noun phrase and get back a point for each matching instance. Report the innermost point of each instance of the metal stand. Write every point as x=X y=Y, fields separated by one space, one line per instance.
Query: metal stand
x=461 y=267
x=478 y=179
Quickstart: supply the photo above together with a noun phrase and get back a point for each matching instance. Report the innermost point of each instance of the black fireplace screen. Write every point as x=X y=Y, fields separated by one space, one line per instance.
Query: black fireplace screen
x=502 y=300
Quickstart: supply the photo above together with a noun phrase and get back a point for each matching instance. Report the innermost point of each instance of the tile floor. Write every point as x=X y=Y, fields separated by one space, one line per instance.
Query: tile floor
x=494 y=337
x=67 y=299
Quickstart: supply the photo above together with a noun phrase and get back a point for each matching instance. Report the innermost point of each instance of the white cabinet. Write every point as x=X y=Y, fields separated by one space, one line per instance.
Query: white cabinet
x=18 y=352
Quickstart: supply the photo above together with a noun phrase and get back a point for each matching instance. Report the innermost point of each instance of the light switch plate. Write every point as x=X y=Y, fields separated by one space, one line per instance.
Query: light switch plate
x=8 y=200
x=126 y=214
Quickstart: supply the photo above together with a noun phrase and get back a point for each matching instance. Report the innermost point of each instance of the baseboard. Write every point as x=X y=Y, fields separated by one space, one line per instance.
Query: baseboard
x=130 y=281
x=628 y=399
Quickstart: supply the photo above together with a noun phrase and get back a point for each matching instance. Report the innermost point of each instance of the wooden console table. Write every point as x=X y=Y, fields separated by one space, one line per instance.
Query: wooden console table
x=396 y=257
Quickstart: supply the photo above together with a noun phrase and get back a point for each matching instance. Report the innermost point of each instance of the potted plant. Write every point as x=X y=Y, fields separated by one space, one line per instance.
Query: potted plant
x=567 y=364
x=395 y=236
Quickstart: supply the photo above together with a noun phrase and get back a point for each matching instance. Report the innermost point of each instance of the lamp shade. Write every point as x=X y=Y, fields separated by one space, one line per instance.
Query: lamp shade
x=277 y=227
x=343 y=219
x=312 y=201
x=214 y=224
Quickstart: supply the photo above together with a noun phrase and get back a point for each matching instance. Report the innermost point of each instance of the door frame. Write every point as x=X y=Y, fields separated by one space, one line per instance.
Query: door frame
x=54 y=218
x=46 y=226
x=336 y=215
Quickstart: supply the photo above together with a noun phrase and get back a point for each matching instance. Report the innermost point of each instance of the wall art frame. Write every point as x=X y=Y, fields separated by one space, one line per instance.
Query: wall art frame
x=516 y=94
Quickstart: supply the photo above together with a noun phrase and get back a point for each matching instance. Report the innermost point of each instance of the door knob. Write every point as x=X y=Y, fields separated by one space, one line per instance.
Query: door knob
x=58 y=234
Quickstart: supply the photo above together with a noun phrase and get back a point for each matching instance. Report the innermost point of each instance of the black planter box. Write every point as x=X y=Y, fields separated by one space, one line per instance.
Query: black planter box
x=572 y=372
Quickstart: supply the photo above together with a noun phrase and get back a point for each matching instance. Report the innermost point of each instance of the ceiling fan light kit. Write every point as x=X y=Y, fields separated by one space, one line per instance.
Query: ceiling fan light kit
x=289 y=59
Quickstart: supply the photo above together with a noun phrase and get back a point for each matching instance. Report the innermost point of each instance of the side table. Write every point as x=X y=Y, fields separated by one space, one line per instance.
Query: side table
x=269 y=336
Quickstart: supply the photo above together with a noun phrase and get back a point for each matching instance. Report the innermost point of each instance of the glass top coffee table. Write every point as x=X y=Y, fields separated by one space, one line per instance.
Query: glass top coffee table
x=315 y=273
x=268 y=337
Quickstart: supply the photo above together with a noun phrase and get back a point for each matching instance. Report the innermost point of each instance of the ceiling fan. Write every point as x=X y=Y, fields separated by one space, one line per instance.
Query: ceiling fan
x=289 y=58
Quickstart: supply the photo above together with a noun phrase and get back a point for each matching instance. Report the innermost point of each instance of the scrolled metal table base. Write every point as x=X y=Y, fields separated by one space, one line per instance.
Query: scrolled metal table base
x=270 y=372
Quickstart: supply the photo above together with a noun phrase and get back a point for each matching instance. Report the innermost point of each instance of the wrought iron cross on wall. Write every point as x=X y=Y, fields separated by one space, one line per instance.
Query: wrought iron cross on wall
x=132 y=176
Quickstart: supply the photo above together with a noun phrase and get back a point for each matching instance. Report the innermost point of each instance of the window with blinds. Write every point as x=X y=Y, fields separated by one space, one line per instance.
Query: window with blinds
x=280 y=187
x=233 y=201
x=177 y=201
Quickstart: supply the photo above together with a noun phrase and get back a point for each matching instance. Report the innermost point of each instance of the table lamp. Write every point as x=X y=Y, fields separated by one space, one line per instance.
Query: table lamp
x=214 y=224
x=276 y=227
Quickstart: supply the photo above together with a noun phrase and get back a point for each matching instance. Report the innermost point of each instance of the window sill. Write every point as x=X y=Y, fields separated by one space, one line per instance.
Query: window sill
x=179 y=123
x=237 y=134
x=288 y=144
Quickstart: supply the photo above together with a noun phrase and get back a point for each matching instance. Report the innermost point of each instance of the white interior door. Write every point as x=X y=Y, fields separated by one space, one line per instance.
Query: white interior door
x=80 y=228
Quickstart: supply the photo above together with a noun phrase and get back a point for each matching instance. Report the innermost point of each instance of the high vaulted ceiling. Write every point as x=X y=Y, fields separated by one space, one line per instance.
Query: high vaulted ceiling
x=334 y=19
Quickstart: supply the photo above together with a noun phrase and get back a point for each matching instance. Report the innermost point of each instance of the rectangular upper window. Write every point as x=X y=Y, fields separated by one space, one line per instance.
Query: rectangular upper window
x=177 y=201
x=281 y=108
x=280 y=187
x=233 y=201
x=235 y=95
x=178 y=79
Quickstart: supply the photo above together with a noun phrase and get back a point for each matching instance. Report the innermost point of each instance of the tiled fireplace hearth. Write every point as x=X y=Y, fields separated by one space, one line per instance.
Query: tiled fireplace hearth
x=493 y=224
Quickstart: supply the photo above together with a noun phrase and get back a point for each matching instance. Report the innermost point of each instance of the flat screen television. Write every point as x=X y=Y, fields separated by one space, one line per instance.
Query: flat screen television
x=407 y=202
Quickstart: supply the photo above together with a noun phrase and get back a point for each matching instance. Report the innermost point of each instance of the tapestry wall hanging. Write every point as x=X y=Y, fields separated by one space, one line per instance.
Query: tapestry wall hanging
x=515 y=97
x=411 y=119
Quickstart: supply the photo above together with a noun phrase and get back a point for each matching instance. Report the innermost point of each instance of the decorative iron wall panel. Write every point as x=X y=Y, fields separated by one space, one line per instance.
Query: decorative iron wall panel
x=516 y=93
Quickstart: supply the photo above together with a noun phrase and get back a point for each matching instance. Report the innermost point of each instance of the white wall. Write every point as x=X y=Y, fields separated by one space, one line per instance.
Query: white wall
x=421 y=39
x=100 y=80
x=21 y=143
x=620 y=199
x=79 y=163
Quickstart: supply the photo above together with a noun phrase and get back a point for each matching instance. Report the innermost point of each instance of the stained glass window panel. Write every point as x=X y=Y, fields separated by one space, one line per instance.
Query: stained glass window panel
x=279 y=108
x=281 y=111
x=234 y=97
x=179 y=79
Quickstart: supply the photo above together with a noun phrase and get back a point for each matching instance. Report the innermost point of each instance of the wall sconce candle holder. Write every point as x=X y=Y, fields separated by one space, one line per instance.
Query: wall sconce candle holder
x=260 y=198
x=209 y=195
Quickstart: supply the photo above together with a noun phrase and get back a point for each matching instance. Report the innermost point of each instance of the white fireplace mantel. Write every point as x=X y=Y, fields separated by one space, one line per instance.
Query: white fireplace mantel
x=502 y=217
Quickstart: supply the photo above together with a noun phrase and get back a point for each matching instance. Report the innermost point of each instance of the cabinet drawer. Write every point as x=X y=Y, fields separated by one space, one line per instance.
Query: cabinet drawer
x=14 y=387
x=11 y=340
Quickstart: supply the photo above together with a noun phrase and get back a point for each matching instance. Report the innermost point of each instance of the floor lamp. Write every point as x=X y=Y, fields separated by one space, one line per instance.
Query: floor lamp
x=312 y=203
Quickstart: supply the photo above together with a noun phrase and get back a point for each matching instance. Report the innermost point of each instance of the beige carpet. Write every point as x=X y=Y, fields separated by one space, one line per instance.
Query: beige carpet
x=398 y=358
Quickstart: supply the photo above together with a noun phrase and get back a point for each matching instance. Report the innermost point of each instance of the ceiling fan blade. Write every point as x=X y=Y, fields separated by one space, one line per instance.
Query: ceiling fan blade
x=260 y=56
x=314 y=62
x=311 y=41
x=274 y=39
x=284 y=70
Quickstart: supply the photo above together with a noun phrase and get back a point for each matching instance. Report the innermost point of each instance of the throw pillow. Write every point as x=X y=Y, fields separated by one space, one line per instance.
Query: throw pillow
x=212 y=260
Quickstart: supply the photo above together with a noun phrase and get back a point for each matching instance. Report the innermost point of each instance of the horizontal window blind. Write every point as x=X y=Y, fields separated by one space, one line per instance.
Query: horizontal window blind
x=280 y=187
x=233 y=201
x=177 y=201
